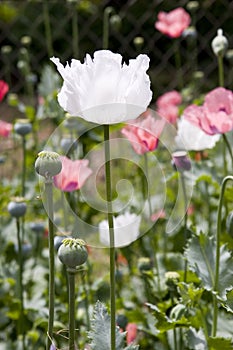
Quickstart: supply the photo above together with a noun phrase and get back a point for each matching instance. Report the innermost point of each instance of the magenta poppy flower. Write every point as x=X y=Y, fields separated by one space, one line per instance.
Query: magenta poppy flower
x=215 y=116
x=73 y=175
x=173 y=23
x=5 y=128
x=167 y=105
x=143 y=133
x=4 y=88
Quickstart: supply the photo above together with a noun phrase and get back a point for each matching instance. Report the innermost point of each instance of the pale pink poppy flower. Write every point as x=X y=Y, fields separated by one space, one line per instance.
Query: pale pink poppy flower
x=131 y=330
x=5 y=128
x=143 y=133
x=215 y=116
x=73 y=175
x=4 y=88
x=173 y=23
x=167 y=105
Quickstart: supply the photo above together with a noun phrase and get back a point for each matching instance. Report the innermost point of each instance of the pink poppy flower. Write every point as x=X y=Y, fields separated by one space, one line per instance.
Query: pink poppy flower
x=4 y=87
x=167 y=105
x=131 y=335
x=73 y=175
x=215 y=116
x=143 y=133
x=173 y=23
x=5 y=128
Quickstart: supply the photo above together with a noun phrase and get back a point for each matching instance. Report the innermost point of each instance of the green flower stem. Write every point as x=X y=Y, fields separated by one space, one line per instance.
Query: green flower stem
x=48 y=35
x=49 y=199
x=71 y=281
x=228 y=147
x=148 y=182
x=86 y=299
x=216 y=280
x=23 y=166
x=178 y=63
x=220 y=71
x=185 y=221
x=111 y=236
x=20 y=262
x=107 y=13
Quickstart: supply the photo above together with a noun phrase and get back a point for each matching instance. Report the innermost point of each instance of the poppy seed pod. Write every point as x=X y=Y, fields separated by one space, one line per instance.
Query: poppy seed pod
x=219 y=44
x=48 y=163
x=17 y=207
x=22 y=127
x=72 y=252
x=180 y=161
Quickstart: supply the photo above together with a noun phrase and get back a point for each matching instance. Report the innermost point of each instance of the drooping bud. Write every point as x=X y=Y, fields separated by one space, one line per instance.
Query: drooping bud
x=180 y=161
x=219 y=44
x=48 y=164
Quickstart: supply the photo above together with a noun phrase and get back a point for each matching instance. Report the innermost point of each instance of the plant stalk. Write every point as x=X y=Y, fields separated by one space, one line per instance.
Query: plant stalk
x=111 y=236
x=71 y=281
x=216 y=280
x=49 y=199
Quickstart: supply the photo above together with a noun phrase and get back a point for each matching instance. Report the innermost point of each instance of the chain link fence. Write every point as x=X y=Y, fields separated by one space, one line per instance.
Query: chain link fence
x=69 y=29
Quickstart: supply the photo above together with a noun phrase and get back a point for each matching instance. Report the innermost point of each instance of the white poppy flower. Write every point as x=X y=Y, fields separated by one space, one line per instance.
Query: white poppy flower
x=193 y=138
x=126 y=230
x=102 y=90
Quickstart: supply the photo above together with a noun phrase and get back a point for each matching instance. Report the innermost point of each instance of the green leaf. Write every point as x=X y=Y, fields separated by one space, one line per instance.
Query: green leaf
x=200 y=253
x=101 y=330
x=228 y=304
x=196 y=339
x=189 y=294
x=219 y=343
x=164 y=323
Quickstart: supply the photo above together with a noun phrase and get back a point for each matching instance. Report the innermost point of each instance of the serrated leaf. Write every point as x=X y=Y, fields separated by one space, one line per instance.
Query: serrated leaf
x=229 y=301
x=219 y=343
x=164 y=323
x=189 y=294
x=100 y=333
x=201 y=253
x=196 y=339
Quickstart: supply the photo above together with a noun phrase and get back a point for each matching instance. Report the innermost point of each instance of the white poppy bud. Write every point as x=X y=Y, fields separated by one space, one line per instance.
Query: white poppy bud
x=219 y=44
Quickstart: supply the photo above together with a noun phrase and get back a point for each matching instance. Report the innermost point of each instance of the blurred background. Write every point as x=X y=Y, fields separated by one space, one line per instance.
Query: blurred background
x=34 y=30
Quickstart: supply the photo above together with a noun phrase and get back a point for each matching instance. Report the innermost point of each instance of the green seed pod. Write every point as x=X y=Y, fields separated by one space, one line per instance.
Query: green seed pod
x=72 y=252
x=17 y=207
x=22 y=127
x=229 y=224
x=48 y=164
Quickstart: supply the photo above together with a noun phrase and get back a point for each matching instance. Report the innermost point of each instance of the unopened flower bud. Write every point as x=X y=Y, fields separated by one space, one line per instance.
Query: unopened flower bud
x=144 y=264
x=138 y=42
x=17 y=207
x=26 y=40
x=190 y=33
x=219 y=44
x=122 y=321
x=48 y=164
x=68 y=144
x=192 y=6
x=37 y=227
x=22 y=127
x=180 y=161
x=72 y=252
x=115 y=22
x=13 y=100
x=229 y=56
x=6 y=49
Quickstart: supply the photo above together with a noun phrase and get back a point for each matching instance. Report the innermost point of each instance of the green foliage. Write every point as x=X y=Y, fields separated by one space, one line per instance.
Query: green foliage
x=100 y=331
x=200 y=254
